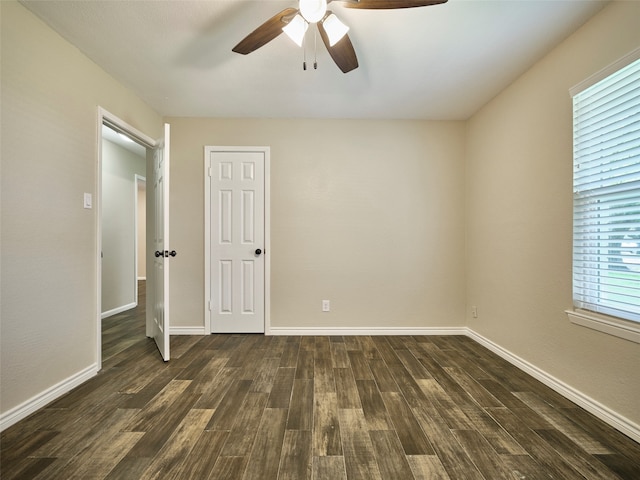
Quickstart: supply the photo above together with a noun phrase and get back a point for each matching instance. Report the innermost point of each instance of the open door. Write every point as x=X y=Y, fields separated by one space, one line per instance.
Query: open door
x=162 y=254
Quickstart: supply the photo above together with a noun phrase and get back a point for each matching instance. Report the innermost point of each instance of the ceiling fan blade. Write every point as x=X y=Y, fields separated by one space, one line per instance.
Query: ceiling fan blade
x=388 y=4
x=265 y=32
x=342 y=52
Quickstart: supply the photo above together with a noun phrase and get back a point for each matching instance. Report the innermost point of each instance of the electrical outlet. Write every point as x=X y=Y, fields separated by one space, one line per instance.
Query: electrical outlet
x=474 y=311
x=326 y=306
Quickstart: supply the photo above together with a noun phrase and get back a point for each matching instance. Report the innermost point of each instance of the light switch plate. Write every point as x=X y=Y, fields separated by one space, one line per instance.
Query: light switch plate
x=326 y=306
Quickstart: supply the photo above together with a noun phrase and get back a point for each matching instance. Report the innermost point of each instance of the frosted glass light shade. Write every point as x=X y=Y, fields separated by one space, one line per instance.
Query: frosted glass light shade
x=296 y=29
x=313 y=10
x=335 y=29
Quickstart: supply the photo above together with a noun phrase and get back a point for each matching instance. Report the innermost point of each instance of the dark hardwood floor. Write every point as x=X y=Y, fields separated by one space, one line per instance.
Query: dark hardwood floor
x=256 y=407
x=125 y=329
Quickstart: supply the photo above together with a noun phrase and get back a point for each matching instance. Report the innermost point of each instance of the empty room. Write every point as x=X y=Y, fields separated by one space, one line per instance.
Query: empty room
x=381 y=239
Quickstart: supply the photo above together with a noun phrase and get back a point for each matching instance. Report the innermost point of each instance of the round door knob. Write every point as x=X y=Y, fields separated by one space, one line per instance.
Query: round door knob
x=258 y=251
x=173 y=253
x=159 y=253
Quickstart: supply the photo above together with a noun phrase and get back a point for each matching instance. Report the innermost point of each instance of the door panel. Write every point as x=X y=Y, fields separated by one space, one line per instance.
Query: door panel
x=160 y=327
x=237 y=241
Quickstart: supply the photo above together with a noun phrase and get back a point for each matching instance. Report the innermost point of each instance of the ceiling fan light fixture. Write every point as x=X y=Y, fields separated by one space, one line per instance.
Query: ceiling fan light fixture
x=313 y=10
x=335 y=29
x=296 y=29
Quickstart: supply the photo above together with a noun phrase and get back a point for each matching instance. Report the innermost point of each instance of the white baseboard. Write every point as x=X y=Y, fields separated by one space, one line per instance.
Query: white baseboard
x=305 y=331
x=25 y=409
x=117 y=310
x=187 y=331
x=604 y=413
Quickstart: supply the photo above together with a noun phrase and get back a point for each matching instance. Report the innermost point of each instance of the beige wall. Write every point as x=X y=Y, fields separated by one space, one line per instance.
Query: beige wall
x=119 y=187
x=50 y=95
x=367 y=214
x=519 y=219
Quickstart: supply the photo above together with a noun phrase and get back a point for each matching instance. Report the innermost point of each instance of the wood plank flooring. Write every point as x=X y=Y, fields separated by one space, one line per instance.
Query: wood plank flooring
x=256 y=407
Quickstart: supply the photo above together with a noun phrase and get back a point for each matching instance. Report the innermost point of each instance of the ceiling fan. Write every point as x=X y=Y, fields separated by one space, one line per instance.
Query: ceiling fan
x=295 y=22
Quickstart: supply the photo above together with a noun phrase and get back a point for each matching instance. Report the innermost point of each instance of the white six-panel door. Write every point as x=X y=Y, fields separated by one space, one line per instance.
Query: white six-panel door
x=237 y=240
x=160 y=326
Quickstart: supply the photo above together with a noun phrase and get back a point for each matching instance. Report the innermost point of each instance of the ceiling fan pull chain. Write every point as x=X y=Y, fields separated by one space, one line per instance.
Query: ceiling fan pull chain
x=315 y=49
x=304 y=52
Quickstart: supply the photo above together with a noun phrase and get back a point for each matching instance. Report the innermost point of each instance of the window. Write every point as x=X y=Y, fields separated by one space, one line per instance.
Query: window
x=606 y=202
x=606 y=186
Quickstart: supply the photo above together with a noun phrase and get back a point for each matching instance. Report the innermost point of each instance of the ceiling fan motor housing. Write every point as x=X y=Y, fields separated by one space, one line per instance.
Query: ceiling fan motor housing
x=313 y=10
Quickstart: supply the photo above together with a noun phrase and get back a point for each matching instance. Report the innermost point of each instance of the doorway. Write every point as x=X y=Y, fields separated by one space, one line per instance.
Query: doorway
x=125 y=158
x=123 y=172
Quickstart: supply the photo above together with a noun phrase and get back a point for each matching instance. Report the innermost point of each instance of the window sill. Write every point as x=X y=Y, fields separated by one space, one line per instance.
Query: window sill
x=610 y=325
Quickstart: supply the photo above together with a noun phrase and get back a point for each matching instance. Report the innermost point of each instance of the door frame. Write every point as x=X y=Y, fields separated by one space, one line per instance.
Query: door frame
x=137 y=181
x=107 y=118
x=267 y=231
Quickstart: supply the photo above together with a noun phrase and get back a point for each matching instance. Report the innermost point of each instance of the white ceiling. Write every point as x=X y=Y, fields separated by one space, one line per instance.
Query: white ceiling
x=439 y=62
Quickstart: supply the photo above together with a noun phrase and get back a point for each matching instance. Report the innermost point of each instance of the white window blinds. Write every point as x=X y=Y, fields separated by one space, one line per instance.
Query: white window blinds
x=606 y=186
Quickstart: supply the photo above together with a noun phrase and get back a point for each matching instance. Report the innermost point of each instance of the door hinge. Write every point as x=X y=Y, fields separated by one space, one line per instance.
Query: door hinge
x=210 y=306
x=210 y=172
